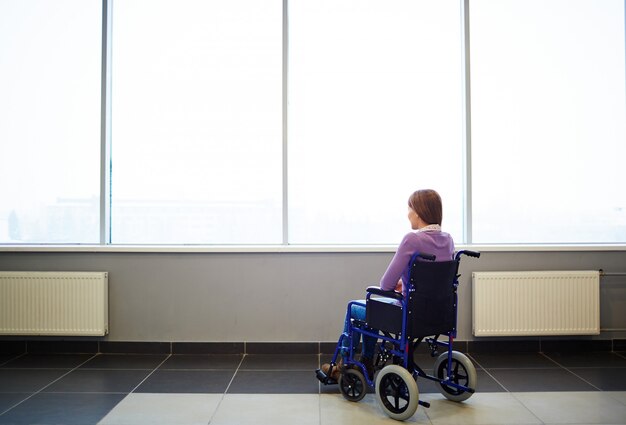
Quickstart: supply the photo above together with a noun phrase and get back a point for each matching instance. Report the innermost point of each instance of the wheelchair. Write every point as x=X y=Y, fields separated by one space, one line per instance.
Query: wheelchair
x=400 y=324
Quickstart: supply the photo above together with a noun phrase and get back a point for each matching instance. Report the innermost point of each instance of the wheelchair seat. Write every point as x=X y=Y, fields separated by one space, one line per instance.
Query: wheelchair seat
x=431 y=302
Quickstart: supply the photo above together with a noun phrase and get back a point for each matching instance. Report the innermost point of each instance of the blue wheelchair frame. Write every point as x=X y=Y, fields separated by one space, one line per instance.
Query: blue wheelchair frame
x=402 y=347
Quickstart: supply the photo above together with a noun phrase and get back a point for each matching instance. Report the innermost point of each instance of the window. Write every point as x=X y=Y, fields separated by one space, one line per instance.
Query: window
x=375 y=112
x=50 y=70
x=548 y=121
x=197 y=122
x=229 y=124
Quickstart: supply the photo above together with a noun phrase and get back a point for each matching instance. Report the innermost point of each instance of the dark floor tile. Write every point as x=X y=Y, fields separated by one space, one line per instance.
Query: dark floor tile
x=521 y=346
x=282 y=348
x=122 y=347
x=524 y=380
x=513 y=360
x=28 y=380
x=274 y=382
x=4 y=358
x=577 y=345
x=211 y=362
x=280 y=362
x=487 y=384
x=66 y=409
x=62 y=347
x=99 y=381
x=8 y=400
x=604 y=378
x=208 y=348
x=12 y=347
x=588 y=359
x=48 y=361
x=125 y=361
x=186 y=381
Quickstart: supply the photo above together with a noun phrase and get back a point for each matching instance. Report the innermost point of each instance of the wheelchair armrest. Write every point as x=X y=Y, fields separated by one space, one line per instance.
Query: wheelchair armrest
x=387 y=294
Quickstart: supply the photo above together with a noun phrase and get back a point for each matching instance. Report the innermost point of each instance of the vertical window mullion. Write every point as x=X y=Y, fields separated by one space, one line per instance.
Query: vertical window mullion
x=467 y=124
x=105 y=136
x=285 y=151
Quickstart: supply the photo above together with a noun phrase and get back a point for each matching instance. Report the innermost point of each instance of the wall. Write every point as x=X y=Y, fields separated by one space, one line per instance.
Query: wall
x=259 y=297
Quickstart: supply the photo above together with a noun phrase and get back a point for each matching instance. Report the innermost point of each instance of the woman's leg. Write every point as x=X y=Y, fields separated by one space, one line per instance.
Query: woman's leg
x=358 y=312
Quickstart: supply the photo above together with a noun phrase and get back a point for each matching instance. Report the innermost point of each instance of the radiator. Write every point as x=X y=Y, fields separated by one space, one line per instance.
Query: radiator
x=54 y=303
x=536 y=303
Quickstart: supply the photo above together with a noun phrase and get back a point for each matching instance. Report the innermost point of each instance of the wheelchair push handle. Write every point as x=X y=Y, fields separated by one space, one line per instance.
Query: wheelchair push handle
x=468 y=253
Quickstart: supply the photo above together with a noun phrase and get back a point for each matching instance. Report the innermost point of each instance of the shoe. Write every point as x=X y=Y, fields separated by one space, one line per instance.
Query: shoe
x=336 y=372
x=369 y=366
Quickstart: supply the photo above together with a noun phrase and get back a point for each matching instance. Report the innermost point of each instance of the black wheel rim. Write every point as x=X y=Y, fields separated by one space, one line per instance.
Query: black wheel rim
x=395 y=394
x=351 y=385
x=459 y=376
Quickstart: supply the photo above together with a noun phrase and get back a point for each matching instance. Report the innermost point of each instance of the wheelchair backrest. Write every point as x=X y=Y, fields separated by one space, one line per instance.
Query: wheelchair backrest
x=432 y=297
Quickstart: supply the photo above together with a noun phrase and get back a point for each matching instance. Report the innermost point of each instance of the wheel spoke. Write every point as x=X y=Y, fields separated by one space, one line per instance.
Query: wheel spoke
x=397 y=400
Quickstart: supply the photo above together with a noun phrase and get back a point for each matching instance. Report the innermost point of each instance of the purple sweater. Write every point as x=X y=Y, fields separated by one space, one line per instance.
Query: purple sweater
x=437 y=243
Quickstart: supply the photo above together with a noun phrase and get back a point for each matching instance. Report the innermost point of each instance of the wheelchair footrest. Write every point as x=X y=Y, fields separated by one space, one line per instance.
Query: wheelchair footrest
x=323 y=378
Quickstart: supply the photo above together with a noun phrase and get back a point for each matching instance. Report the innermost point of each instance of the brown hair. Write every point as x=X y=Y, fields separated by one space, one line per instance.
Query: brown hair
x=427 y=204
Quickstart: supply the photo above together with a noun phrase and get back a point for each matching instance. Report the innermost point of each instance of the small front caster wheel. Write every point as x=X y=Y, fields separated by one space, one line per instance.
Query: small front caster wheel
x=352 y=385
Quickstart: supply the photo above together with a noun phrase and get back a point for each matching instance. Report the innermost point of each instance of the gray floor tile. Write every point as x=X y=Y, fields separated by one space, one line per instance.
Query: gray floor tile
x=166 y=409
x=515 y=380
x=479 y=409
x=4 y=358
x=274 y=382
x=590 y=359
x=186 y=381
x=125 y=361
x=66 y=409
x=280 y=362
x=28 y=380
x=270 y=409
x=47 y=361
x=513 y=360
x=99 y=381
x=604 y=378
x=8 y=400
x=574 y=407
x=208 y=362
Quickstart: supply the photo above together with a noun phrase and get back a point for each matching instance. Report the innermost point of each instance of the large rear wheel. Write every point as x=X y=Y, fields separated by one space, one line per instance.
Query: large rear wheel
x=397 y=392
x=462 y=372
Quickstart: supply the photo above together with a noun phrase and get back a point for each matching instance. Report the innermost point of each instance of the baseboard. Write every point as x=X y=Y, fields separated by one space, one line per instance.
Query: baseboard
x=136 y=347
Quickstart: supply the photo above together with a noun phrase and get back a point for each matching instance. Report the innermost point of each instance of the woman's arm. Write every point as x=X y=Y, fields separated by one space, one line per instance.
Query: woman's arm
x=398 y=264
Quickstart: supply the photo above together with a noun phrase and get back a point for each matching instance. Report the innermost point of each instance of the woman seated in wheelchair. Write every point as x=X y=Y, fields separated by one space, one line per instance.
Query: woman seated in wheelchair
x=425 y=213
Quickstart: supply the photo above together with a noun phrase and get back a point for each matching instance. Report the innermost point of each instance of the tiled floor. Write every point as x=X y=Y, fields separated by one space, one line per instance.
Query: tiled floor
x=115 y=389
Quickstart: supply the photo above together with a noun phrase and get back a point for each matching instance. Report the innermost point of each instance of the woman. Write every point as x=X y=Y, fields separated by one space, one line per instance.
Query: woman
x=425 y=214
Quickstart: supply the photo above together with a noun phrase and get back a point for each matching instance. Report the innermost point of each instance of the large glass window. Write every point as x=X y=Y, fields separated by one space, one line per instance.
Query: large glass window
x=375 y=112
x=50 y=56
x=548 y=121
x=197 y=121
x=212 y=131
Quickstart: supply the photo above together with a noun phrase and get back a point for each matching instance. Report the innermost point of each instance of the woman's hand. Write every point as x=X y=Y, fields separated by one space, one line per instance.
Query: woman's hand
x=399 y=286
